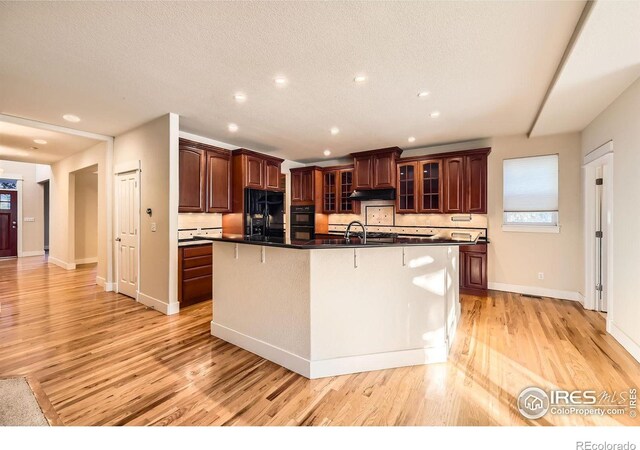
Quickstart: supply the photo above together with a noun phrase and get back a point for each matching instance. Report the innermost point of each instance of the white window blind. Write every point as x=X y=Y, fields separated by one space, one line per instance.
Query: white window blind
x=530 y=187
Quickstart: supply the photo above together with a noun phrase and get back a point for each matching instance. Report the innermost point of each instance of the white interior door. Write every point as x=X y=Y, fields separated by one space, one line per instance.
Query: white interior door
x=128 y=197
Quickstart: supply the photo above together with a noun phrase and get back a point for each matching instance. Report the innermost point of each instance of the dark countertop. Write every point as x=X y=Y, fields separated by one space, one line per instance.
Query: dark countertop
x=333 y=241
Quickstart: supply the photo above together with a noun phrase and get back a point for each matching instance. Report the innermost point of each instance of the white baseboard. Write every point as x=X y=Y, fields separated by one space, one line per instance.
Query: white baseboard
x=159 y=305
x=60 y=263
x=87 y=260
x=623 y=338
x=533 y=290
x=32 y=253
x=330 y=367
x=108 y=287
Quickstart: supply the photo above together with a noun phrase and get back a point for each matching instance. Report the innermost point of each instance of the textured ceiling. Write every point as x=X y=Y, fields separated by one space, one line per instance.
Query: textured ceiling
x=604 y=61
x=117 y=65
x=16 y=144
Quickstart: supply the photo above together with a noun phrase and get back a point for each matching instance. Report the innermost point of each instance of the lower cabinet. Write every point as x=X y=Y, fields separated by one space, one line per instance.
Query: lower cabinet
x=473 y=268
x=195 y=274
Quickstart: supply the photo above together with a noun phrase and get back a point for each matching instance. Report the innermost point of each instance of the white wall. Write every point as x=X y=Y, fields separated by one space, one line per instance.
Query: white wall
x=619 y=122
x=155 y=145
x=516 y=258
x=32 y=205
x=62 y=213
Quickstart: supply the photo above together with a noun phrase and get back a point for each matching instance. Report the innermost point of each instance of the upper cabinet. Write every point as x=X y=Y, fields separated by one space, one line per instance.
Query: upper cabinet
x=257 y=171
x=306 y=186
x=337 y=187
x=452 y=183
x=204 y=178
x=375 y=169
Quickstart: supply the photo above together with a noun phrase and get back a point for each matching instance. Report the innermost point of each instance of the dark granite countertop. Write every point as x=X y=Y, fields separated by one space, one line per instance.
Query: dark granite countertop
x=332 y=241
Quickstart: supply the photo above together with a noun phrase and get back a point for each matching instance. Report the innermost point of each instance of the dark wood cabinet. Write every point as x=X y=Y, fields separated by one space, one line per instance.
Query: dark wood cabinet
x=254 y=172
x=306 y=186
x=272 y=175
x=329 y=192
x=473 y=268
x=454 y=185
x=430 y=186
x=407 y=191
x=476 y=184
x=375 y=169
x=204 y=178
x=195 y=280
x=192 y=175
x=218 y=181
x=337 y=186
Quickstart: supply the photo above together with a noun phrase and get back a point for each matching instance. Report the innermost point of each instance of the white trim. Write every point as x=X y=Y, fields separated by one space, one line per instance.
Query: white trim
x=57 y=128
x=127 y=166
x=330 y=367
x=598 y=153
x=108 y=287
x=205 y=140
x=87 y=260
x=539 y=291
x=158 y=305
x=33 y=253
x=174 y=202
x=623 y=338
x=60 y=263
x=20 y=217
x=532 y=228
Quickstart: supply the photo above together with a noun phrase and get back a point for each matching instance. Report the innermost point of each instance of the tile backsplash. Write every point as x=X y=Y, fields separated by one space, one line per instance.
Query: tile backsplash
x=193 y=224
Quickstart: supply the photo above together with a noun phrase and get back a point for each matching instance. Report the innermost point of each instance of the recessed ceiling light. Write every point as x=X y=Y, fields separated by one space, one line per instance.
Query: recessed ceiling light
x=435 y=114
x=411 y=139
x=335 y=130
x=280 y=80
x=232 y=127
x=240 y=97
x=360 y=78
x=327 y=152
x=40 y=141
x=423 y=94
x=71 y=118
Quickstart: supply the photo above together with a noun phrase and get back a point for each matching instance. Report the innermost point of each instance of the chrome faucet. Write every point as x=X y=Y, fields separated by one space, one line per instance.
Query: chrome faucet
x=364 y=231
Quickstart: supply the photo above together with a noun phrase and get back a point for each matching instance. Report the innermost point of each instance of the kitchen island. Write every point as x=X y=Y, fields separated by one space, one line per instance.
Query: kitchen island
x=331 y=306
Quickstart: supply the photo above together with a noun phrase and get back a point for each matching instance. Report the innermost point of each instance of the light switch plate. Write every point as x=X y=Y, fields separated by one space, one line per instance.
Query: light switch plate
x=29 y=219
x=154 y=227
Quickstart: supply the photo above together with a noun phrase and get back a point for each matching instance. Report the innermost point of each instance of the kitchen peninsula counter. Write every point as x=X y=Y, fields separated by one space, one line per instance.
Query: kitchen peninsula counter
x=328 y=306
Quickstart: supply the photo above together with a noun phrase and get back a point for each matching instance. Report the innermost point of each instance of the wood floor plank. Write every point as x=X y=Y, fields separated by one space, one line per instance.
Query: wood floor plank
x=100 y=358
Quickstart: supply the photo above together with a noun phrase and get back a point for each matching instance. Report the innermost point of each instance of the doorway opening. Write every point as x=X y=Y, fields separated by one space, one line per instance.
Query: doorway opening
x=85 y=219
x=128 y=230
x=598 y=220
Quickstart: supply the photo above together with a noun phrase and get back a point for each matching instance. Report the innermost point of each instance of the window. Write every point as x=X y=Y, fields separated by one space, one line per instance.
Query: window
x=531 y=193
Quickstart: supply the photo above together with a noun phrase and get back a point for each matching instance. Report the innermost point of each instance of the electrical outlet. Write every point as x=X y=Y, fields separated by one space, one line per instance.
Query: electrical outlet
x=540 y=275
x=154 y=227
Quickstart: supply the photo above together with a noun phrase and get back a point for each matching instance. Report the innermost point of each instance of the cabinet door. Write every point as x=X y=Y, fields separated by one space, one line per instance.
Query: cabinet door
x=296 y=187
x=345 y=188
x=192 y=162
x=329 y=192
x=474 y=274
x=363 y=167
x=272 y=175
x=307 y=186
x=254 y=172
x=218 y=183
x=384 y=171
x=454 y=185
x=476 y=184
x=430 y=183
x=407 y=191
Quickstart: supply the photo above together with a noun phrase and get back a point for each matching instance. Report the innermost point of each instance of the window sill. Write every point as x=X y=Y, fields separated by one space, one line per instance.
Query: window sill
x=532 y=228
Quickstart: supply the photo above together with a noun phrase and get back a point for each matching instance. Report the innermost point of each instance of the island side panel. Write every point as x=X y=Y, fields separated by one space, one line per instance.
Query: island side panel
x=388 y=311
x=261 y=301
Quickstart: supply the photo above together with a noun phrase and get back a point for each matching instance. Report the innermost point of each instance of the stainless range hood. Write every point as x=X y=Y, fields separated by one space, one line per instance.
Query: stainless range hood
x=374 y=194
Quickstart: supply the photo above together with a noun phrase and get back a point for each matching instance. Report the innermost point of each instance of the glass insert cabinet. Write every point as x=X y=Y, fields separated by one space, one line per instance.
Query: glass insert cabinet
x=336 y=191
x=419 y=186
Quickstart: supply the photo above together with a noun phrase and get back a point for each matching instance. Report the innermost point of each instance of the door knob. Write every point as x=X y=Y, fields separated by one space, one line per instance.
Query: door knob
x=118 y=239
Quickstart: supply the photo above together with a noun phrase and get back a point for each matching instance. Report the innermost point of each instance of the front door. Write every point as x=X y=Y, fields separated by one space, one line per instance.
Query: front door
x=8 y=224
x=127 y=232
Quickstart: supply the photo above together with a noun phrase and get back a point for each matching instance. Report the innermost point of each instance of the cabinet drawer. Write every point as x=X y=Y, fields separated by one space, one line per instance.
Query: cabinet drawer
x=199 y=250
x=197 y=261
x=196 y=289
x=196 y=272
x=477 y=248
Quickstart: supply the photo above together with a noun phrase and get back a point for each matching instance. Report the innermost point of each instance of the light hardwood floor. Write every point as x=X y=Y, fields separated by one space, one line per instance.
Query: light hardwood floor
x=103 y=359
